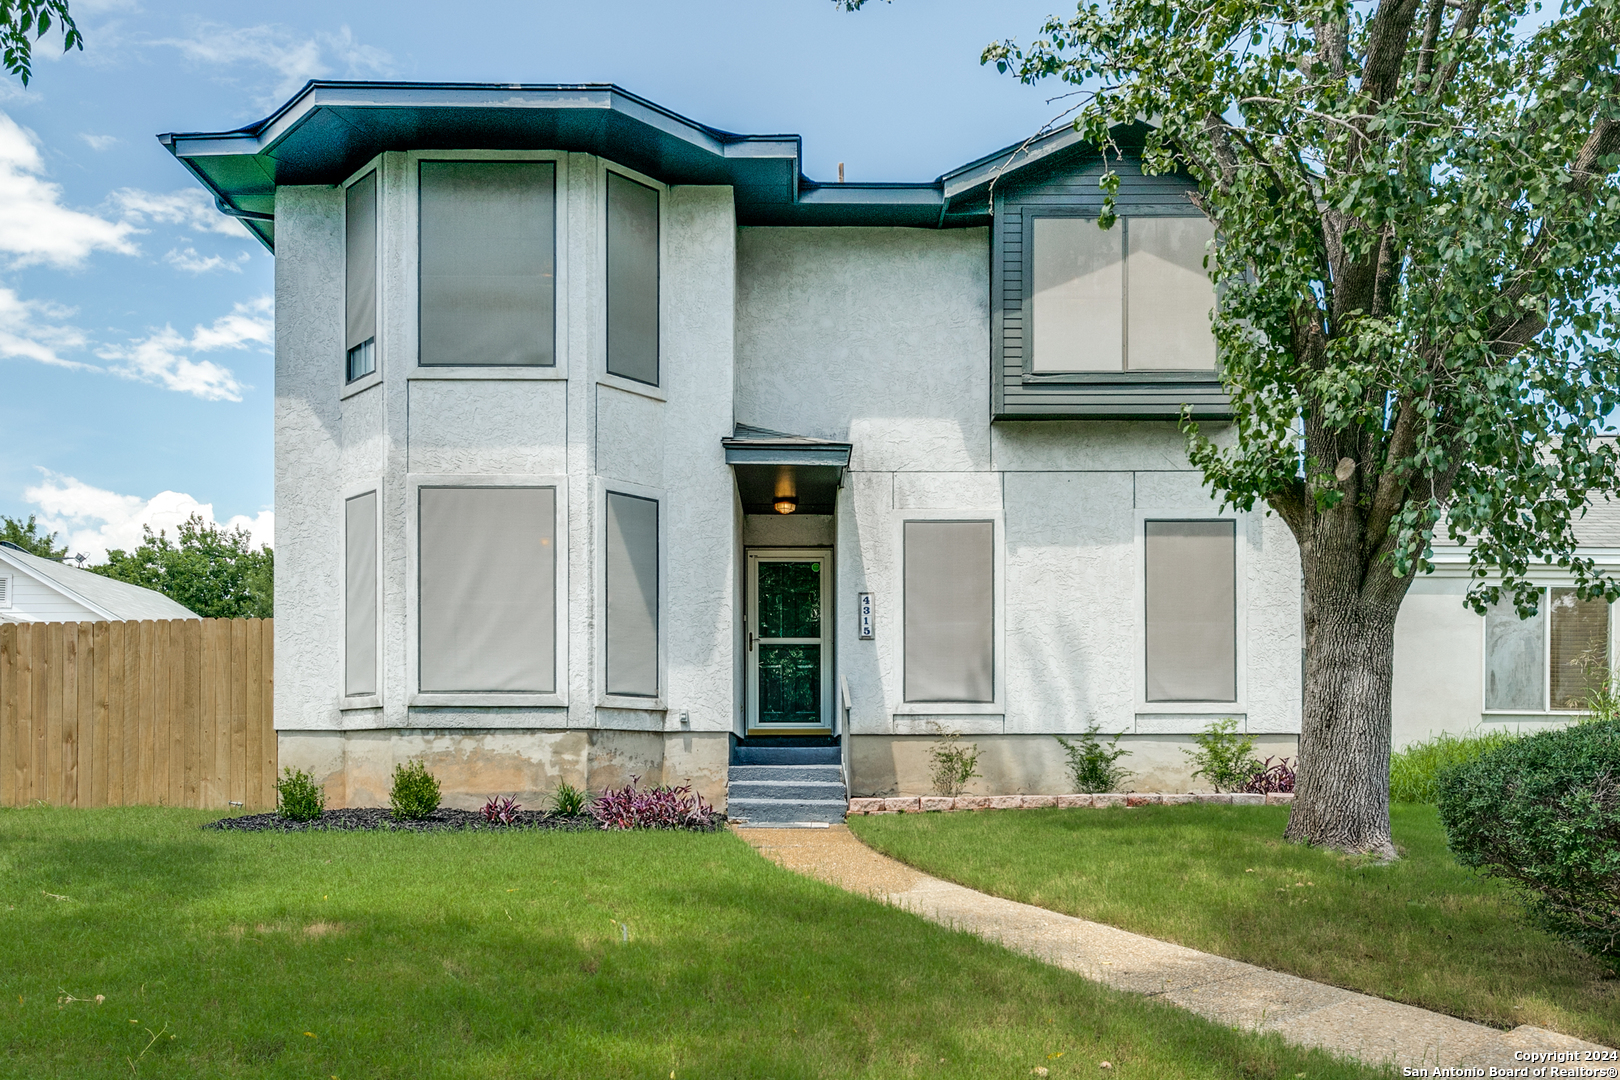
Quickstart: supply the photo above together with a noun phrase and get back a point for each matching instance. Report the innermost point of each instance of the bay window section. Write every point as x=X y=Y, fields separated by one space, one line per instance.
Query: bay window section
x=1550 y=662
x=949 y=584
x=360 y=277
x=487 y=263
x=632 y=280
x=1191 y=617
x=487 y=589
x=360 y=595
x=632 y=595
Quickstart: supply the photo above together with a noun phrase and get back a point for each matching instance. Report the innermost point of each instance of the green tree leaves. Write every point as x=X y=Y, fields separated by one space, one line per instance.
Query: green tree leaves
x=212 y=571
x=23 y=22
x=26 y=535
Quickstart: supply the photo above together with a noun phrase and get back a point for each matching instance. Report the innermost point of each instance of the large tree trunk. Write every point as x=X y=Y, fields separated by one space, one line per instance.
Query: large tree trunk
x=1342 y=791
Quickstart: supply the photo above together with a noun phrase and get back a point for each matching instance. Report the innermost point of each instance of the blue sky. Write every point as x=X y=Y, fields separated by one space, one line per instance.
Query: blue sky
x=135 y=321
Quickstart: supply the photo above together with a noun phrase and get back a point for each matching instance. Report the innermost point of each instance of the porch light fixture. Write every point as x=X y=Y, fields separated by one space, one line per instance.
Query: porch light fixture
x=786 y=504
x=787 y=492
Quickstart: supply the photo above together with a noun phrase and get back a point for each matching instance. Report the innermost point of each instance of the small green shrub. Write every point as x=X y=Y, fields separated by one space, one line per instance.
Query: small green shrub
x=1225 y=758
x=1543 y=812
x=955 y=763
x=569 y=800
x=415 y=794
x=1412 y=771
x=298 y=796
x=1091 y=763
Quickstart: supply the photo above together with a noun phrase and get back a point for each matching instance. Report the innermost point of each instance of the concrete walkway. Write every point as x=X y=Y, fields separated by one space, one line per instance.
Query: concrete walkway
x=1226 y=991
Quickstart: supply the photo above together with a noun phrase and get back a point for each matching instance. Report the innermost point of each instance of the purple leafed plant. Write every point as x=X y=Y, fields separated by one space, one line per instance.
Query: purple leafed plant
x=501 y=810
x=661 y=807
x=1272 y=778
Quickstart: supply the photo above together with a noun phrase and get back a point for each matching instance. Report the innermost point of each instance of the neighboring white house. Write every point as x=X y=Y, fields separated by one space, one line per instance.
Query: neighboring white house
x=608 y=443
x=33 y=589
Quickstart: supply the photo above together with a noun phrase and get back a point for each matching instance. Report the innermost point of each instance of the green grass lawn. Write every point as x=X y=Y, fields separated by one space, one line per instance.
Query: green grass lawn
x=1219 y=878
x=523 y=955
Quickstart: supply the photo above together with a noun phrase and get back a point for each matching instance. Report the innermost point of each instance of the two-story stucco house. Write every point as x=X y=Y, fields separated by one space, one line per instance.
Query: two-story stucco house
x=607 y=444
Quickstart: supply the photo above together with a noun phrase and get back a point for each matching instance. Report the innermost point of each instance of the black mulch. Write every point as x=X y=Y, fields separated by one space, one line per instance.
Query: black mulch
x=441 y=820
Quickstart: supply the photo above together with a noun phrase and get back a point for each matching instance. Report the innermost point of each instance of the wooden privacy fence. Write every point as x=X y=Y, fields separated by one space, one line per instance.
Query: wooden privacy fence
x=172 y=713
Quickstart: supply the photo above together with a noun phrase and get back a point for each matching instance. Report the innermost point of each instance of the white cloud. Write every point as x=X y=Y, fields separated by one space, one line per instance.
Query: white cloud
x=98 y=142
x=293 y=59
x=162 y=356
x=34 y=225
x=34 y=330
x=190 y=208
x=93 y=520
x=192 y=262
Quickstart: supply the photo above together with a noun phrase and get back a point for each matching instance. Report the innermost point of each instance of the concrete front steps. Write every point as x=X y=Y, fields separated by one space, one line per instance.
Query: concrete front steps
x=786 y=785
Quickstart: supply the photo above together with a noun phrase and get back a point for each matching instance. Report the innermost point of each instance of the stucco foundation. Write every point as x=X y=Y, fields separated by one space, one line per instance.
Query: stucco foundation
x=356 y=767
x=900 y=765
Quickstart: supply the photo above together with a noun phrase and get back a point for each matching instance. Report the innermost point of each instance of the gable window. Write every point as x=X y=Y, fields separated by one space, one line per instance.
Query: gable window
x=949 y=611
x=488 y=263
x=1131 y=298
x=632 y=595
x=632 y=280
x=360 y=277
x=1550 y=661
x=1191 y=617
x=487 y=589
x=360 y=595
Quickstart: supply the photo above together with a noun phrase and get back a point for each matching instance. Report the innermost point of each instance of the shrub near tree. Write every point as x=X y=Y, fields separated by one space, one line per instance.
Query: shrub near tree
x=213 y=571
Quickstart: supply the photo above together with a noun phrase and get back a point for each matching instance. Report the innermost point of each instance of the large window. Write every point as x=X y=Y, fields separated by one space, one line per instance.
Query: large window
x=360 y=276
x=632 y=595
x=488 y=263
x=1191 y=617
x=950 y=611
x=632 y=280
x=360 y=595
x=1131 y=298
x=487 y=586
x=1550 y=661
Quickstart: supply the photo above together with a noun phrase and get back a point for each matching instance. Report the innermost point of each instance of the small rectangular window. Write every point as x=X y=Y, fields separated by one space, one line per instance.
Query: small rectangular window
x=632 y=595
x=1191 y=617
x=360 y=595
x=488 y=253
x=949 y=611
x=487 y=589
x=1578 y=652
x=1169 y=297
x=360 y=276
x=1077 y=301
x=1515 y=658
x=632 y=280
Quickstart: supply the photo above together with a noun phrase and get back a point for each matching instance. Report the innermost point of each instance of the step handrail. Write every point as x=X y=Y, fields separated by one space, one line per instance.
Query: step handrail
x=843 y=734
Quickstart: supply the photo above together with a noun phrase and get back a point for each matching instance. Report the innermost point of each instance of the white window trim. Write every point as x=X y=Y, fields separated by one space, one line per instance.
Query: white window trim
x=414 y=483
x=1546 y=712
x=599 y=308
x=605 y=700
x=350 y=702
x=348 y=389
x=891 y=618
x=1161 y=717
x=407 y=235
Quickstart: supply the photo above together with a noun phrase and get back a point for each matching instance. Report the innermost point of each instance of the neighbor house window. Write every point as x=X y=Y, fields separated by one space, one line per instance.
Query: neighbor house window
x=632 y=595
x=360 y=276
x=949 y=611
x=632 y=280
x=360 y=595
x=1550 y=661
x=488 y=263
x=1131 y=298
x=487 y=589
x=1191 y=618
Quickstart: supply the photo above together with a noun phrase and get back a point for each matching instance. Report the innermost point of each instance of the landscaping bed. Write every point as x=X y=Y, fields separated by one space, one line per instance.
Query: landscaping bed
x=1423 y=930
x=380 y=817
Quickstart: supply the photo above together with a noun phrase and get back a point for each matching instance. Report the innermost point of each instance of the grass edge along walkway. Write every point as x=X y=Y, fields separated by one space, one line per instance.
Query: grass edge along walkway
x=1229 y=992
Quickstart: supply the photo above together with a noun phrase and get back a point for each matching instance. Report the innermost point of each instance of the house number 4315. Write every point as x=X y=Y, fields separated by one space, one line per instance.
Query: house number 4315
x=866 y=616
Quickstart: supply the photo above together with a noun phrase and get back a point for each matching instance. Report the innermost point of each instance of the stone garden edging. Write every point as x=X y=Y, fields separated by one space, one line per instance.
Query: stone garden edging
x=922 y=804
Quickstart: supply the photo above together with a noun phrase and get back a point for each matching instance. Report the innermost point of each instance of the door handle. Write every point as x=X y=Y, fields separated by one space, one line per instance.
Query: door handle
x=750 y=641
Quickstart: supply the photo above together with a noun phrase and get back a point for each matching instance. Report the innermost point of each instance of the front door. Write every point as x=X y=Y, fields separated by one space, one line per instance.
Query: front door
x=788 y=638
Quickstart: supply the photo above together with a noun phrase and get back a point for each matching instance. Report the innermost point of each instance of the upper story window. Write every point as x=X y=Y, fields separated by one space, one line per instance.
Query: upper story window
x=360 y=277
x=488 y=263
x=1134 y=297
x=632 y=280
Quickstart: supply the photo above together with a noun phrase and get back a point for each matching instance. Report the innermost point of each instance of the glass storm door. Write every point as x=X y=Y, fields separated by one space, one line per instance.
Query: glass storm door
x=788 y=638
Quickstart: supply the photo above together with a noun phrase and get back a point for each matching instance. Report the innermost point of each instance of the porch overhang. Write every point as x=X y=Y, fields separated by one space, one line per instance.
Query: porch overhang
x=774 y=469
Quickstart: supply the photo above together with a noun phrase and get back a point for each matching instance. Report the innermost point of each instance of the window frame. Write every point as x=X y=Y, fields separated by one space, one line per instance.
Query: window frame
x=410 y=267
x=351 y=702
x=1190 y=717
x=635 y=702
x=599 y=362
x=346 y=387
x=417 y=697
x=1546 y=711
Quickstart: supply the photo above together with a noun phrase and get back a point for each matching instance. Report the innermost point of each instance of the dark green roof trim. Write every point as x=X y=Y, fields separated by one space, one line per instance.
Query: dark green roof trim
x=330 y=129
